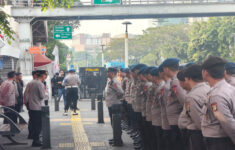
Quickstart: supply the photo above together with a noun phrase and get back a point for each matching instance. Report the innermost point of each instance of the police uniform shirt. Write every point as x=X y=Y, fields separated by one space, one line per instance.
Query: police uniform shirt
x=144 y=98
x=134 y=87
x=114 y=92
x=138 y=99
x=175 y=102
x=163 y=97
x=183 y=119
x=195 y=100
x=156 y=108
x=36 y=94
x=71 y=80
x=231 y=80
x=127 y=91
x=149 y=102
x=219 y=112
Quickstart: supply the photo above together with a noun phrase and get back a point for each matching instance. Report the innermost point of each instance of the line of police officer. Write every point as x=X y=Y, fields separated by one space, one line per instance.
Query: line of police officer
x=174 y=107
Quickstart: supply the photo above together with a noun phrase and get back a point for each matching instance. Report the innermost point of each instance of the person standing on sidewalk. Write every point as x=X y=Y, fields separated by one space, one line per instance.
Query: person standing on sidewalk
x=19 y=98
x=71 y=83
x=61 y=88
x=113 y=97
x=8 y=96
x=35 y=96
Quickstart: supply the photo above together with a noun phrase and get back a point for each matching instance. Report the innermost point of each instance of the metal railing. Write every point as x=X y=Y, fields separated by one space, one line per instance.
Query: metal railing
x=79 y=3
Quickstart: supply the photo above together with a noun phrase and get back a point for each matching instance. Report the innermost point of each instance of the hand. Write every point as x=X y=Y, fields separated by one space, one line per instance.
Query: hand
x=59 y=82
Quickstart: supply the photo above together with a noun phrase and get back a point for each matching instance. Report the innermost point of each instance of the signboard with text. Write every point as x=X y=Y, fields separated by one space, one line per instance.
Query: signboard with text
x=62 y=32
x=101 y=2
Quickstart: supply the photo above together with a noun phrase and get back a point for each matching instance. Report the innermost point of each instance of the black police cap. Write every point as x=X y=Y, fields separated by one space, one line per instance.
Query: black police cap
x=194 y=72
x=111 y=69
x=213 y=61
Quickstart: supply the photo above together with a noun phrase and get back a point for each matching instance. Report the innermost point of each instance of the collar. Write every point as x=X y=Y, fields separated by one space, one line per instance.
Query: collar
x=218 y=84
x=198 y=85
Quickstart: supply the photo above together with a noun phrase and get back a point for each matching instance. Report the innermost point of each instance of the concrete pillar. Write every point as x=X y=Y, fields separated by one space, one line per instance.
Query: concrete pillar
x=25 y=42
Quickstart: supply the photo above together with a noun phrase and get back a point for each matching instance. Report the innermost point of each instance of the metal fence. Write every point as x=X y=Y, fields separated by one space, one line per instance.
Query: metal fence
x=80 y=3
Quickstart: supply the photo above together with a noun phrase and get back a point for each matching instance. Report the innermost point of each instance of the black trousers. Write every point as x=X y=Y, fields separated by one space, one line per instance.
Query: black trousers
x=166 y=139
x=30 y=129
x=36 y=123
x=71 y=98
x=159 y=138
x=195 y=140
x=176 y=138
x=219 y=144
x=10 y=115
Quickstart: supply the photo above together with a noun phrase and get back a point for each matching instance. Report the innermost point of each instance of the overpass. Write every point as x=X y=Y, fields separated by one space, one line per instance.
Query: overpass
x=133 y=9
x=28 y=13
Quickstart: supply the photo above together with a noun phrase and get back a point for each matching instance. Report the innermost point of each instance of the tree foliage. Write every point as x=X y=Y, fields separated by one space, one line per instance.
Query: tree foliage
x=5 y=28
x=190 y=43
x=63 y=49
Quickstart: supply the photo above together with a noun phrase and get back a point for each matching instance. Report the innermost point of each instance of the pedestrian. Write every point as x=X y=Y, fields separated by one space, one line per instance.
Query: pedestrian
x=163 y=97
x=156 y=110
x=218 y=123
x=36 y=95
x=113 y=97
x=71 y=83
x=26 y=103
x=195 y=100
x=19 y=98
x=175 y=102
x=8 y=93
x=229 y=73
x=60 y=87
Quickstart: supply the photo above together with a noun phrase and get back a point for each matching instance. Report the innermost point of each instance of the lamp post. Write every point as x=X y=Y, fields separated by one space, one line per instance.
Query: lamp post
x=126 y=42
x=102 y=54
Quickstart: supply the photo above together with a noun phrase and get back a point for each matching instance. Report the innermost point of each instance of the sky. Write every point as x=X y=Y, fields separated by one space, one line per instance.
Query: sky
x=114 y=27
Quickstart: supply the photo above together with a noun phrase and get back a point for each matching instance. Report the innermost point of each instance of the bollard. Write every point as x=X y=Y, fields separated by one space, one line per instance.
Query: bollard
x=92 y=101
x=46 y=134
x=100 y=109
x=56 y=103
x=117 y=131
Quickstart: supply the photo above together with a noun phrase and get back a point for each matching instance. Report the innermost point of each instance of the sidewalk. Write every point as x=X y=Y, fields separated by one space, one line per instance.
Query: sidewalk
x=81 y=132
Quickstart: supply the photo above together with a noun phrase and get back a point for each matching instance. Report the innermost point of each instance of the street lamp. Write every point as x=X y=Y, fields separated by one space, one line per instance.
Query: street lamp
x=126 y=42
x=102 y=54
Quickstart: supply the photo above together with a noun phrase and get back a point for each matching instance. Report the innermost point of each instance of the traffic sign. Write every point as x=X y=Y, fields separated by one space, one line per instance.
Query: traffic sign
x=62 y=32
x=101 y=2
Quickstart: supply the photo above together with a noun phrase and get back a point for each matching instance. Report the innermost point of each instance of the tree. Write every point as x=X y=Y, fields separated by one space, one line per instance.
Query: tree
x=5 y=28
x=63 y=49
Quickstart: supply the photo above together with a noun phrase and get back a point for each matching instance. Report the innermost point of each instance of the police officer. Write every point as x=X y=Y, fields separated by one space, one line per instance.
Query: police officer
x=218 y=123
x=26 y=103
x=163 y=97
x=113 y=97
x=195 y=100
x=175 y=102
x=71 y=83
x=183 y=121
x=230 y=73
x=156 y=109
x=35 y=96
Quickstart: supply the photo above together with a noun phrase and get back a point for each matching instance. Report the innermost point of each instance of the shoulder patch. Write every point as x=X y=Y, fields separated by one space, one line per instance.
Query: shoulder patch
x=174 y=89
x=187 y=106
x=214 y=107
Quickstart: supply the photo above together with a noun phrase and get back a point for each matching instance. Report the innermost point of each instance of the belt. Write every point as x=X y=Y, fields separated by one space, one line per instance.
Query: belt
x=71 y=87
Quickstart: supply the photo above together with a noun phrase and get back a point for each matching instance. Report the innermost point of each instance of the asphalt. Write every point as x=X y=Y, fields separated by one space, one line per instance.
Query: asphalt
x=81 y=132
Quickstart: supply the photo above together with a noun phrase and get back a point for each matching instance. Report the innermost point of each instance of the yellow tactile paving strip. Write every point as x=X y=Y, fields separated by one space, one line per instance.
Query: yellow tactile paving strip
x=79 y=135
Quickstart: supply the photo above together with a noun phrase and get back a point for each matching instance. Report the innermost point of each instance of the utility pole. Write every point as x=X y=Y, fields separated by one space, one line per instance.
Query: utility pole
x=126 y=23
x=102 y=46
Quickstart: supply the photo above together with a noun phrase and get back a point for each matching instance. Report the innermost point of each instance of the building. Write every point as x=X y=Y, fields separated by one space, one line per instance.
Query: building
x=90 y=43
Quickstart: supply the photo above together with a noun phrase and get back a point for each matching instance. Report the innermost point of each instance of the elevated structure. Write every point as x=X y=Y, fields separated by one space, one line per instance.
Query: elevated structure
x=27 y=12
